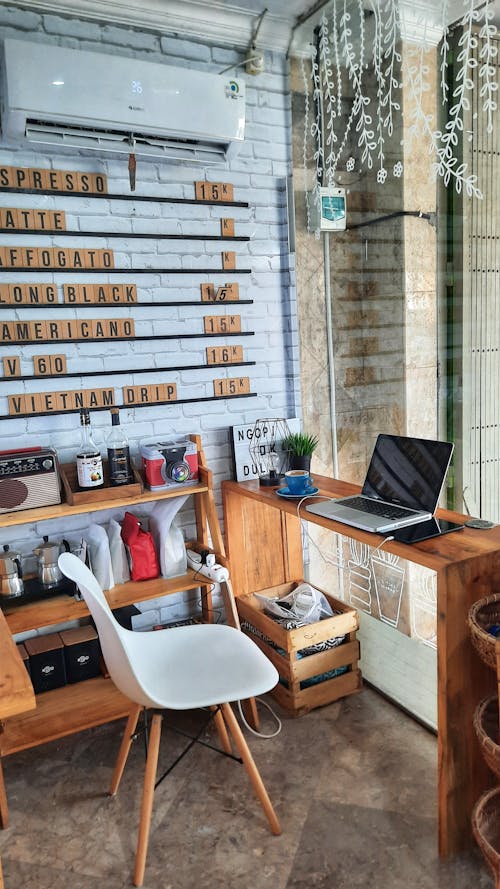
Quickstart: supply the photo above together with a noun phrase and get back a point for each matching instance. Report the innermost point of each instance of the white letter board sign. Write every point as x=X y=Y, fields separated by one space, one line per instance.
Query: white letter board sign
x=244 y=467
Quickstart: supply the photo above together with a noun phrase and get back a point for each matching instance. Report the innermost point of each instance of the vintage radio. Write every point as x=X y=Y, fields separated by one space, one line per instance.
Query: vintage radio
x=28 y=478
x=169 y=463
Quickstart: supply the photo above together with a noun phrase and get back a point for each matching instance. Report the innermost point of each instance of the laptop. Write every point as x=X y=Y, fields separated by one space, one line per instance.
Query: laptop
x=402 y=486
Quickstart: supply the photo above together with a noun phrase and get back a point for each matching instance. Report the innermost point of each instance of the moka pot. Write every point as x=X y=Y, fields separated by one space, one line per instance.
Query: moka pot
x=11 y=574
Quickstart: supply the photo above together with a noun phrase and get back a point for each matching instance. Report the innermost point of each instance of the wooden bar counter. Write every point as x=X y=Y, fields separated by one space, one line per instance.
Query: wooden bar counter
x=16 y=696
x=264 y=549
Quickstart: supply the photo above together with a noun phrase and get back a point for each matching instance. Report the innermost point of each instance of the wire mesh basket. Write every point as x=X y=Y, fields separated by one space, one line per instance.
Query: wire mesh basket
x=487 y=732
x=486 y=829
x=482 y=615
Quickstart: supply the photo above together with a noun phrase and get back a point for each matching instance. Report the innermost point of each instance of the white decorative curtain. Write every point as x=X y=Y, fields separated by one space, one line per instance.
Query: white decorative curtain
x=354 y=82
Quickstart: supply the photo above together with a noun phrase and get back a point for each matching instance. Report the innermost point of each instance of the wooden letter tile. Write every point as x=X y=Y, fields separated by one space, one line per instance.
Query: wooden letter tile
x=7 y=177
x=5 y=294
x=17 y=405
x=227 y=228
x=11 y=366
x=99 y=183
x=207 y=292
x=53 y=180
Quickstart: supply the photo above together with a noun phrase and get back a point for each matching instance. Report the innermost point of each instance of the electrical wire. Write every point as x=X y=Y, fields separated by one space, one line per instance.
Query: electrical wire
x=429 y=217
x=216 y=611
x=254 y=731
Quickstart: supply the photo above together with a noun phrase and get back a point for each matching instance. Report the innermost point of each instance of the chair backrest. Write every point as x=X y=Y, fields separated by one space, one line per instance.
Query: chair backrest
x=115 y=640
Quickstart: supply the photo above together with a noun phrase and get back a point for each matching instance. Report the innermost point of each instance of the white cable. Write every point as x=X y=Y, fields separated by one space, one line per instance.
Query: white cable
x=327 y=559
x=330 y=355
x=252 y=730
x=309 y=497
x=384 y=541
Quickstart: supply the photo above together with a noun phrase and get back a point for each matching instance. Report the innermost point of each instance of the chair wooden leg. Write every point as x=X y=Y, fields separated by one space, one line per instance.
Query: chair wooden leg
x=253 y=772
x=221 y=727
x=4 y=807
x=1 y=876
x=124 y=748
x=147 y=798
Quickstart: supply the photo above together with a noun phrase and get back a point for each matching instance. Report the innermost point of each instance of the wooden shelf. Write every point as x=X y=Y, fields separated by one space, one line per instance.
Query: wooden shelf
x=83 y=705
x=62 y=712
x=60 y=609
x=60 y=510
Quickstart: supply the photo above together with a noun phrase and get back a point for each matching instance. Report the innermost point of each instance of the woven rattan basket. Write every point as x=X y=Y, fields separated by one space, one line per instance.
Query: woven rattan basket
x=486 y=728
x=486 y=829
x=483 y=614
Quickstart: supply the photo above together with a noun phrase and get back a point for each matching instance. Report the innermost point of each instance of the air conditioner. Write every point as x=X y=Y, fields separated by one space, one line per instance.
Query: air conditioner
x=72 y=98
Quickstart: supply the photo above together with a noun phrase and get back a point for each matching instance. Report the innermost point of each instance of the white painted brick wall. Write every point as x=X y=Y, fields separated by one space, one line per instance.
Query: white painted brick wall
x=401 y=667
x=258 y=173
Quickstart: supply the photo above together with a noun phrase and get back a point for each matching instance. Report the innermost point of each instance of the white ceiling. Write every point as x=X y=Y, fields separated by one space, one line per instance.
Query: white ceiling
x=232 y=23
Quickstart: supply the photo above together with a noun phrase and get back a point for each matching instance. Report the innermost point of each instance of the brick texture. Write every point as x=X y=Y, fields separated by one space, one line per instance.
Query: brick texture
x=256 y=180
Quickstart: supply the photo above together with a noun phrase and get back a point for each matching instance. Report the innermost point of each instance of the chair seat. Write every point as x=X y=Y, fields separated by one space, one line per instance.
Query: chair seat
x=198 y=666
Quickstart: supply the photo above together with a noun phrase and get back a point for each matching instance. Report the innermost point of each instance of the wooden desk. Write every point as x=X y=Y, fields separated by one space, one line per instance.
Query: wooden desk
x=265 y=549
x=16 y=696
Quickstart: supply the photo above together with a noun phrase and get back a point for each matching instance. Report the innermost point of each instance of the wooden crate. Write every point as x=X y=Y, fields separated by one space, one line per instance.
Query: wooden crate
x=74 y=496
x=295 y=671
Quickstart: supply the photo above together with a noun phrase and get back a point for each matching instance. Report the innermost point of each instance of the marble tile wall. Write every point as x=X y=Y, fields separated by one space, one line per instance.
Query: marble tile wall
x=384 y=319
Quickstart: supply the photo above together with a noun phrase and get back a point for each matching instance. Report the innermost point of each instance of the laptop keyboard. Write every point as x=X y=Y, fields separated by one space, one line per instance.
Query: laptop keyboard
x=378 y=509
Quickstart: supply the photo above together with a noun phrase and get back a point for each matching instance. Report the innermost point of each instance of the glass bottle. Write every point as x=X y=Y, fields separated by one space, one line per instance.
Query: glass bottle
x=88 y=458
x=119 y=465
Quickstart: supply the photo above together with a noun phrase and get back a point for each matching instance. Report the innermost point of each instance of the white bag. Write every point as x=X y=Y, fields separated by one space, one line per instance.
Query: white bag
x=170 y=547
x=305 y=605
x=119 y=561
x=100 y=556
x=173 y=552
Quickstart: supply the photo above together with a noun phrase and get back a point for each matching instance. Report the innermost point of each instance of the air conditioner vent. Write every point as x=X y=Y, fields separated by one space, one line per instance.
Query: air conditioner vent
x=46 y=133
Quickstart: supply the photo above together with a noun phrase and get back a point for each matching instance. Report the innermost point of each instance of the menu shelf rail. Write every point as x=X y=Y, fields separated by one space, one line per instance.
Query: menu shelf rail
x=138 y=370
x=125 y=407
x=130 y=305
x=122 y=197
x=161 y=236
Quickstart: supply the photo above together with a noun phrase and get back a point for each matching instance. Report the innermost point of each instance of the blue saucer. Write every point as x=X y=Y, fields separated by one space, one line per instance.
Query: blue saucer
x=284 y=492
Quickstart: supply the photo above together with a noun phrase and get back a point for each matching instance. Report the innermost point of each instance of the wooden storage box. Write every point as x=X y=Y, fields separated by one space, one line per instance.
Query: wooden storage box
x=73 y=495
x=301 y=687
x=47 y=668
x=81 y=653
x=25 y=656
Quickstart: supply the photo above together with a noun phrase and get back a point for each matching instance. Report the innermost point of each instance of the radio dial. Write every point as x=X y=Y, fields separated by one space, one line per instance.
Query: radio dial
x=47 y=464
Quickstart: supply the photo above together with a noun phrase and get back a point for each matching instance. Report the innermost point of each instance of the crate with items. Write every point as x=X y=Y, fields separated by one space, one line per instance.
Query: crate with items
x=311 y=639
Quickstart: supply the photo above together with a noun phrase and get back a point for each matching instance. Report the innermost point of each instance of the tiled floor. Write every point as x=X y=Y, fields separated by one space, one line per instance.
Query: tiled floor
x=353 y=785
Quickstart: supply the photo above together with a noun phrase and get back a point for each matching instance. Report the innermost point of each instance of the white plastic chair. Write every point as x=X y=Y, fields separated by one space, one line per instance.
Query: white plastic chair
x=202 y=665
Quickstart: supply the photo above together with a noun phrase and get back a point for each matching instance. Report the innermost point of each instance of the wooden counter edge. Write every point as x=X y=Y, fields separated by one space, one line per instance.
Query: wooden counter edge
x=16 y=690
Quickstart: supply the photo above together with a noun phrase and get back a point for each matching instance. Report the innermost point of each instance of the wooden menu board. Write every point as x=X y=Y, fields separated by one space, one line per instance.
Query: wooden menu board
x=71 y=329
x=58 y=402
x=54 y=258
x=38 y=179
x=28 y=294
x=32 y=220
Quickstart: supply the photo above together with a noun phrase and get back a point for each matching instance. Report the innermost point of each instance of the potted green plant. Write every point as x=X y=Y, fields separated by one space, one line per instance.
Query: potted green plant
x=300 y=447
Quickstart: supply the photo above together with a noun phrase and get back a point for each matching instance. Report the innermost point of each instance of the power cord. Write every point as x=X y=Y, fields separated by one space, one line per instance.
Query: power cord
x=198 y=576
x=384 y=541
x=252 y=730
x=310 y=497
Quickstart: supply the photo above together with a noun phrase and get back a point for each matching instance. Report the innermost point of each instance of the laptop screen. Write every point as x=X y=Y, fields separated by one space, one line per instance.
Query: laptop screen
x=408 y=471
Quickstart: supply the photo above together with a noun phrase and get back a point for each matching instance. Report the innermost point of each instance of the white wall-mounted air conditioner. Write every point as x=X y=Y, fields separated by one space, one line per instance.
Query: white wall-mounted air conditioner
x=76 y=99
